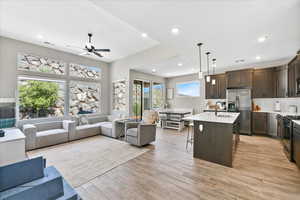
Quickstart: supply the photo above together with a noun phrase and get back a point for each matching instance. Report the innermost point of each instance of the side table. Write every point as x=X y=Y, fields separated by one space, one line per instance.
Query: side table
x=12 y=146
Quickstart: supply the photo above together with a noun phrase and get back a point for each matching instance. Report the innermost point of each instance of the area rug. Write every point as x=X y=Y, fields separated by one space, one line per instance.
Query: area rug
x=83 y=160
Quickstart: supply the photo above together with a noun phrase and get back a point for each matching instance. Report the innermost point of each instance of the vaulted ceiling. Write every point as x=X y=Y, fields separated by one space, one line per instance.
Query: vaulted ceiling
x=229 y=29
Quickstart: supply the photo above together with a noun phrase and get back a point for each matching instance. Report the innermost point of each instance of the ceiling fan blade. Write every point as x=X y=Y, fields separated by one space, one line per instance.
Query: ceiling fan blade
x=97 y=54
x=103 y=50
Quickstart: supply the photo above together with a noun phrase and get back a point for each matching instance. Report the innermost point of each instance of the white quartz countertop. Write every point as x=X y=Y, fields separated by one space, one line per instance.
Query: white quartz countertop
x=222 y=117
x=278 y=112
x=12 y=134
x=297 y=122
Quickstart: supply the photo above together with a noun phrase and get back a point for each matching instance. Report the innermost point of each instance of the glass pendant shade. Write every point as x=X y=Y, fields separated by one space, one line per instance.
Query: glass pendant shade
x=207 y=79
x=200 y=75
x=213 y=82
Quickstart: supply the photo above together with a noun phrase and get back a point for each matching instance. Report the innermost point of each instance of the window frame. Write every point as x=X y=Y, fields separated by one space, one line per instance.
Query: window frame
x=66 y=78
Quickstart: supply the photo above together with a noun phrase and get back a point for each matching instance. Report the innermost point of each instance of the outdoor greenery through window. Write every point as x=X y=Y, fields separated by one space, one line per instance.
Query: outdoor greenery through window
x=40 y=98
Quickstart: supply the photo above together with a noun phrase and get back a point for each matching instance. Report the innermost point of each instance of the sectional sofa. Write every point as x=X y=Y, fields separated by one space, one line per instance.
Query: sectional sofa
x=44 y=134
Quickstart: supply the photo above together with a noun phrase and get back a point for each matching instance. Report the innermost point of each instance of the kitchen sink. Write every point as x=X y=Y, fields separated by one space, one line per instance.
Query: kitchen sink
x=224 y=115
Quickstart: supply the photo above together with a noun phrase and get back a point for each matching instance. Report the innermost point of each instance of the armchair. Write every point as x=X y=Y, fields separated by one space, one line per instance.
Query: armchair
x=140 y=134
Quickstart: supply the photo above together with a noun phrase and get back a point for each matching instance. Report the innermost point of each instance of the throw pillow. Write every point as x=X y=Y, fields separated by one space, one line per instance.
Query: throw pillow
x=83 y=120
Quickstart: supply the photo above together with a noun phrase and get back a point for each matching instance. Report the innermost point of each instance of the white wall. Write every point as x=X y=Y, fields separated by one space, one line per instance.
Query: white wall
x=9 y=49
x=120 y=69
x=195 y=103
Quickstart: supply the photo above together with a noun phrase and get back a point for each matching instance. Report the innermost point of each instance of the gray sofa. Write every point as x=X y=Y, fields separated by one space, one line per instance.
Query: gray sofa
x=44 y=134
x=47 y=133
x=95 y=125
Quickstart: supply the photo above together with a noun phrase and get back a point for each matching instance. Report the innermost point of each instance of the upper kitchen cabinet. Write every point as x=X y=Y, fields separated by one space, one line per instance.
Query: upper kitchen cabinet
x=239 y=79
x=264 y=83
x=294 y=77
x=281 y=81
x=217 y=91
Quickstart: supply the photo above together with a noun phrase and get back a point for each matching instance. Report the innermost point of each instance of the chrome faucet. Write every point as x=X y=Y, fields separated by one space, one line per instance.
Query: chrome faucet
x=216 y=107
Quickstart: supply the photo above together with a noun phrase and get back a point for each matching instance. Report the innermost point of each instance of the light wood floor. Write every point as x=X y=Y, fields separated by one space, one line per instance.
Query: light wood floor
x=168 y=171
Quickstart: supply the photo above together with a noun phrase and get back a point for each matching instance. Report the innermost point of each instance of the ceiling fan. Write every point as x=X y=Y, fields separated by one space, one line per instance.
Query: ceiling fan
x=89 y=48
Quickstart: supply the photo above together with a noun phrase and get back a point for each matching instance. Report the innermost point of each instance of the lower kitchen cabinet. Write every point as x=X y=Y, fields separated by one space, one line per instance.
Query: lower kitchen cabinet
x=260 y=123
x=296 y=144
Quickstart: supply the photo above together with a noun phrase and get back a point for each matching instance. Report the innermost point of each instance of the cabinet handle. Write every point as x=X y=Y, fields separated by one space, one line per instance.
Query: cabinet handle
x=201 y=127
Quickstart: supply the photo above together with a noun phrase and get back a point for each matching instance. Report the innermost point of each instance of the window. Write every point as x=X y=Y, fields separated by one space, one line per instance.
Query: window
x=188 y=89
x=84 y=97
x=40 y=98
x=82 y=71
x=32 y=63
x=157 y=95
x=44 y=97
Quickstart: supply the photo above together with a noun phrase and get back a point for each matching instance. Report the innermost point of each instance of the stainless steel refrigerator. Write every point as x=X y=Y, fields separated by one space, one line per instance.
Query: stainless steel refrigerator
x=239 y=100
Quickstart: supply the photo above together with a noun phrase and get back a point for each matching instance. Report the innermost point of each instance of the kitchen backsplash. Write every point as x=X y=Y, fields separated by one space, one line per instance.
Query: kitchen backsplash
x=269 y=104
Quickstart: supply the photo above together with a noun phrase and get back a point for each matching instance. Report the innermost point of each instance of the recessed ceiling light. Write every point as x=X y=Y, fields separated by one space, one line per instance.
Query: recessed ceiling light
x=262 y=38
x=144 y=35
x=175 y=31
x=39 y=36
x=257 y=57
x=179 y=64
x=153 y=70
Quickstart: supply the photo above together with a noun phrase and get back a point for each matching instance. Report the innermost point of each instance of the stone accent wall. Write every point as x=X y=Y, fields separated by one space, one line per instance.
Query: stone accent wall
x=40 y=64
x=84 y=95
x=119 y=95
x=82 y=71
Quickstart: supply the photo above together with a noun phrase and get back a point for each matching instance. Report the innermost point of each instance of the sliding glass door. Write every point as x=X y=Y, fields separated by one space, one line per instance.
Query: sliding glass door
x=157 y=95
x=137 y=99
x=146 y=96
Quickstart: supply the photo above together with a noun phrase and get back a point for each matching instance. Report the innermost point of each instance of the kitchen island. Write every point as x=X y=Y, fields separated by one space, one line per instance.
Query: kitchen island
x=215 y=136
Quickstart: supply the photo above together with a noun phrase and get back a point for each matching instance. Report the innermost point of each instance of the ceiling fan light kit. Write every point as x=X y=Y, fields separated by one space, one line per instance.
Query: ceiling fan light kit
x=89 y=48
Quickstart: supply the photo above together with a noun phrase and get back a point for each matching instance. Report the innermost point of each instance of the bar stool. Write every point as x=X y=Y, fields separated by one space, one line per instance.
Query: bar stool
x=190 y=135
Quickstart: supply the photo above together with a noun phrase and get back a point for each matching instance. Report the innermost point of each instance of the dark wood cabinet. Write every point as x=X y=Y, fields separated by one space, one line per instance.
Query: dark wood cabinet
x=296 y=144
x=217 y=91
x=260 y=123
x=264 y=83
x=281 y=81
x=294 y=77
x=240 y=78
x=280 y=127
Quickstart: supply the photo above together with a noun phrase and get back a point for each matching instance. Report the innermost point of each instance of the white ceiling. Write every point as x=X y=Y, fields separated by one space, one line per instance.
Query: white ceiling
x=228 y=28
x=67 y=22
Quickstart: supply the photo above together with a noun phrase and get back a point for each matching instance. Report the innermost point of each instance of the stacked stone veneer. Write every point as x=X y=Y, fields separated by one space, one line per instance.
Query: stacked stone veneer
x=84 y=95
x=38 y=64
x=84 y=71
x=119 y=95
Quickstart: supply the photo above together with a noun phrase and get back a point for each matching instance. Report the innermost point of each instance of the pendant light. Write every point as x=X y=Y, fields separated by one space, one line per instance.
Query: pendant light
x=200 y=74
x=214 y=65
x=208 y=76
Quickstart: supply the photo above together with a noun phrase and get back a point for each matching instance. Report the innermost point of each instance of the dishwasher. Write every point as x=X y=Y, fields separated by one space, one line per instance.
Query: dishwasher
x=296 y=144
